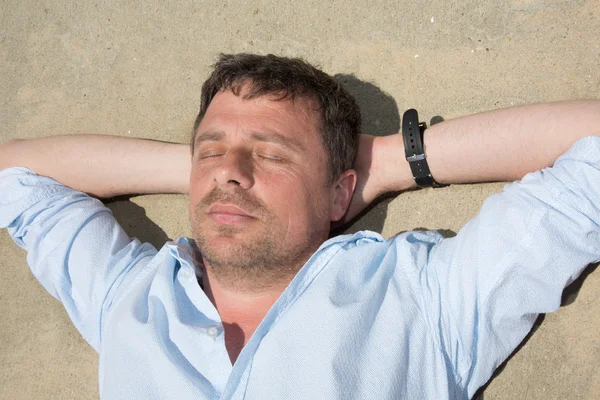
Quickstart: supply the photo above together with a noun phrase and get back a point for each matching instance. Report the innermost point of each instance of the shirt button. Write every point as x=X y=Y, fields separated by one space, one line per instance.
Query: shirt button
x=212 y=331
x=187 y=273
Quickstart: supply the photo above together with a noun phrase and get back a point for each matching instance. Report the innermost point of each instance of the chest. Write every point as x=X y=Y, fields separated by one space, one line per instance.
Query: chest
x=351 y=347
x=344 y=336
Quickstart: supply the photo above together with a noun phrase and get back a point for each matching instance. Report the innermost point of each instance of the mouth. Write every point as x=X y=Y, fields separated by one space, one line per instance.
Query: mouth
x=228 y=214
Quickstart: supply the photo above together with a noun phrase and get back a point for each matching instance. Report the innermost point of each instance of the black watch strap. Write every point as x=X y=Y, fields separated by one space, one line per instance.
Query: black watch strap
x=412 y=134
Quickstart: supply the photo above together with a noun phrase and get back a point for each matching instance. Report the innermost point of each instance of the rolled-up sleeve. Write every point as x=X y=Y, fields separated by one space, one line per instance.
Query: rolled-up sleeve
x=487 y=285
x=75 y=247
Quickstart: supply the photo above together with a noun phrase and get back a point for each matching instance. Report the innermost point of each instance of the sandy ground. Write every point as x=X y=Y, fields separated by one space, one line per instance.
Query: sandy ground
x=135 y=69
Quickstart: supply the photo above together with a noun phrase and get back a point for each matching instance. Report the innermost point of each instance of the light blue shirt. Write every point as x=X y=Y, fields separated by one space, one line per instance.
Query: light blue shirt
x=415 y=317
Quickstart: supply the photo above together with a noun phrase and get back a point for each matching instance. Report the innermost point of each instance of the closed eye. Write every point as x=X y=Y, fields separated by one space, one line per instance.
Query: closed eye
x=272 y=158
x=210 y=154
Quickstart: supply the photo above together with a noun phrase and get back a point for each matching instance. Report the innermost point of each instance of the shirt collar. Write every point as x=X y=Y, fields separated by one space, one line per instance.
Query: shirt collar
x=187 y=253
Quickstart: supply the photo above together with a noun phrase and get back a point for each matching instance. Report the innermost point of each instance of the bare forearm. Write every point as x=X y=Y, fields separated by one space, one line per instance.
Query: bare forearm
x=103 y=166
x=502 y=145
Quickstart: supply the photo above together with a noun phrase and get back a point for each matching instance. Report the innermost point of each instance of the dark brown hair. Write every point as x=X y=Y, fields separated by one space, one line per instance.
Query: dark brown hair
x=289 y=78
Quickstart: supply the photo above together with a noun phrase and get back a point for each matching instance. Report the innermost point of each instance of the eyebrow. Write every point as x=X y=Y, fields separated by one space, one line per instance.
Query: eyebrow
x=213 y=136
x=268 y=137
x=277 y=138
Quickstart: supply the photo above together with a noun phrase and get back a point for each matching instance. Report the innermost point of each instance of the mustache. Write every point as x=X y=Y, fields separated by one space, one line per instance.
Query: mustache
x=240 y=199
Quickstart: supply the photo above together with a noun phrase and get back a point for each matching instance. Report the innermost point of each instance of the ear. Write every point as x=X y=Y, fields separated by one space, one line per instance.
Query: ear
x=342 y=191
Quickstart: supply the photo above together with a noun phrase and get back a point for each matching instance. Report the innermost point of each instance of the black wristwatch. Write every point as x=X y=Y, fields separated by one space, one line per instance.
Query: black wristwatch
x=414 y=150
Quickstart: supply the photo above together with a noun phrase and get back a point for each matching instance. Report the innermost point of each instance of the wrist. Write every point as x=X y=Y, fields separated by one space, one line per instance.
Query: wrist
x=394 y=170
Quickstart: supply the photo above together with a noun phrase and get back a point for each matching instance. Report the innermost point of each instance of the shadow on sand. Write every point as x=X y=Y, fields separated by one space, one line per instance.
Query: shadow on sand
x=569 y=295
x=380 y=117
x=135 y=222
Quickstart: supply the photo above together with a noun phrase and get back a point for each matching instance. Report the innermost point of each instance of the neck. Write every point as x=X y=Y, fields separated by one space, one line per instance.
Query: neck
x=241 y=300
x=241 y=307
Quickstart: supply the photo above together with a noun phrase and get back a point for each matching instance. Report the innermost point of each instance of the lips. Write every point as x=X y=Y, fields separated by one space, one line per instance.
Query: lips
x=227 y=209
x=228 y=214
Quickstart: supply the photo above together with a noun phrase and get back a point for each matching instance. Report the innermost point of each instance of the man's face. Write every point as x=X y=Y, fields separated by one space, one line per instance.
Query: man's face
x=260 y=199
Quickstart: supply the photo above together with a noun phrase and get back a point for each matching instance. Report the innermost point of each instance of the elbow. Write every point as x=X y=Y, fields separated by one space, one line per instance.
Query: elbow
x=9 y=145
x=9 y=153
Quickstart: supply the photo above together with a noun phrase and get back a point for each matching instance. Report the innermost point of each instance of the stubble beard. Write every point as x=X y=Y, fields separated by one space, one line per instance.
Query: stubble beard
x=253 y=260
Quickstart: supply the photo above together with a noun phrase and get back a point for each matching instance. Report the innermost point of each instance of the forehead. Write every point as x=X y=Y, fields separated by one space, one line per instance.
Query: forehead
x=297 y=118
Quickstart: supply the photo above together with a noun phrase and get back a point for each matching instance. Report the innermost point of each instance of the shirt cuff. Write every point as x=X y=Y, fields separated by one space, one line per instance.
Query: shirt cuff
x=20 y=189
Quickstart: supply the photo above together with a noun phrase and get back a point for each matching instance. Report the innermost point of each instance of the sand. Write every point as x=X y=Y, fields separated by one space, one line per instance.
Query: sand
x=136 y=70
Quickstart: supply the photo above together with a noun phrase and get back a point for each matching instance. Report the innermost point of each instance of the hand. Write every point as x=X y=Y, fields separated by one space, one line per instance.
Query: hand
x=381 y=168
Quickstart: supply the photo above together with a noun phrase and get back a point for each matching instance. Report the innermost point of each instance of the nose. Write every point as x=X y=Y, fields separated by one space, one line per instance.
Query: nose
x=235 y=170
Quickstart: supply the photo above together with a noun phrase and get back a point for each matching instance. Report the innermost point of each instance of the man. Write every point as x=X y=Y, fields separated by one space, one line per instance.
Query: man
x=266 y=307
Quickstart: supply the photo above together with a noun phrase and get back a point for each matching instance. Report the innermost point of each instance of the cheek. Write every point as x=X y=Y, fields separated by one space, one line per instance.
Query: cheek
x=198 y=186
x=301 y=201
